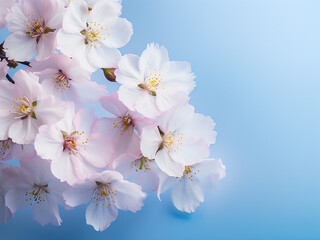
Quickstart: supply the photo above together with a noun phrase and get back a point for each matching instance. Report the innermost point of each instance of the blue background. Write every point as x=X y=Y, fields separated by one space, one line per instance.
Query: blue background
x=257 y=67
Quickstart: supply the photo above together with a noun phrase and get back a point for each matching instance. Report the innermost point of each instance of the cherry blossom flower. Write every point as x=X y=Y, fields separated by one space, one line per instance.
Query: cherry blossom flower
x=107 y=192
x=5 y=7
x=5 y=213
x=90 y=3
x=76 y=150
x=174 y=144
x=24 y=108
x=3 y=69
x=124 y=128
x=140 y=170
x=64 y=78
x=32 y=25
x=33 y=185
x=152 y=84
x=187 y=192
x=10 y=150
x=93 y=36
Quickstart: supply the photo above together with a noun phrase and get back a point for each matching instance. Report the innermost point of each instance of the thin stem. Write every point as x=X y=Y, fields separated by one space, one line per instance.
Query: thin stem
x=9 y=78
x=24 y=63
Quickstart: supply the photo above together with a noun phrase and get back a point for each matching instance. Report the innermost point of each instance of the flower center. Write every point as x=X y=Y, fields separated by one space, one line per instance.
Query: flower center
x=37 y=194
x=172 y=141
x=74 y=142
x=142 y=163
x=62 y=81
x=5 y=148
x=152 y=82
x=94 y=34
x=35 y=26
x=23 y=108
x=125 y=124
x=103 y=194
x=188 y=173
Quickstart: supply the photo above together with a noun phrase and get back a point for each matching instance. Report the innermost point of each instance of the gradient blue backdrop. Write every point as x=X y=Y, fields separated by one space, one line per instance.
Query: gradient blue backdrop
x=257 y=67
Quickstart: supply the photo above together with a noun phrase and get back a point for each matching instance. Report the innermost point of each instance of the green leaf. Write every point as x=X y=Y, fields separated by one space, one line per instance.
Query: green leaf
x=47 y=30
x=33 y=115
x=64 y=134
x=153 y=93
x=34 y=104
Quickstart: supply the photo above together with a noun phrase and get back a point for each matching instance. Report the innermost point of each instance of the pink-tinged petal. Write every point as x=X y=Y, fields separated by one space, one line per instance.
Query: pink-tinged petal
x=62 y=168
x=98 y=152
x=49 y=142
x=170 y=97
x=87 y=92
x=56 y=189
x=25 y=151
x=102 y=57
x=113 y=105
x=3 y=69
x=147 y=179
x=150 y=141
x=101 y=216
x=154 y=57
x=165 y=182
x=49 y=110
x=104 y=10
x=24 y=131
x=106 y=176
x=79 y=194
x=66 y=124
x=123 y=164
x=75 y=17
x=106 y=126
x=178 y=75
x=210 y=171
x=72 y=45
x=187 y=195
x=128 y=195
x=16 y=199
x=146 y=105
x=129 y=144
x=46 y=211
x=53 y=13
x=192 y=152
x=129 y=97
x=39 y=170
x=15 y=18
x=167 y=164
x=46 y=46
x=176 y=118
x=118 y=34
x=201 y=127
x=128 y=72
x=5 y=213
x=141 y=122
x=84 y=120
x=5 y=123
x=27 y=84
x=20 y=46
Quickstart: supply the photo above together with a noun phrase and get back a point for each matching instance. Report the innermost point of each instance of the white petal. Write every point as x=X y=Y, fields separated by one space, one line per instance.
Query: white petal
x=15 y=19
x=118 y=34
x=128 y=195
x=79 y=194
x=150 y=141
x=49 y=142
x=24 y=131
x=129 y=97
x=128 y=72
x=5 y=213
x=75 y=17
x=46 y=46
x=146 y=106
x=187 y=195
x=168 y=165
x=165 y=182
x=87 y=91
x=101 y=56
x=100 y=216
x=176 y=118
x=154 y=57
x=20 y=46
x=47 y=211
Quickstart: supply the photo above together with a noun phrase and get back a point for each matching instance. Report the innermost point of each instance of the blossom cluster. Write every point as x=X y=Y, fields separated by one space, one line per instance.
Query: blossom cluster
x=150 y=138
